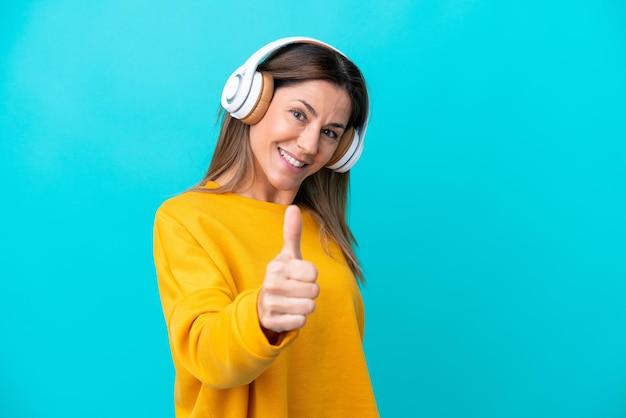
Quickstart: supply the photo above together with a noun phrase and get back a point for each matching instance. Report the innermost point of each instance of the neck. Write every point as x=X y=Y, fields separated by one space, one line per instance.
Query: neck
x=250 y=188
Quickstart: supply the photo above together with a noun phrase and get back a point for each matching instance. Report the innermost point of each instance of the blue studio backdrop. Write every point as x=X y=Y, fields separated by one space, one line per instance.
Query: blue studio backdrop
x=489 y=203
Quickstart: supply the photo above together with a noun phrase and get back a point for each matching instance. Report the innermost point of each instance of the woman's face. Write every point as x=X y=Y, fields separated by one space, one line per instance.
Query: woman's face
x=297 y=137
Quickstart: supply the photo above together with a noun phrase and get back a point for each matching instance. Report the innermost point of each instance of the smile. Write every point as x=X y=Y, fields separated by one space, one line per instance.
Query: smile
x=295 y=163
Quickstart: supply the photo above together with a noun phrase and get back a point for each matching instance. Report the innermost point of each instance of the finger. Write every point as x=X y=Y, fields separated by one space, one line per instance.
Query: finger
x=275 y=306
x=300 y=270
x=292 y=232
x=297 y=306
x=292 y=289
x=281 y=323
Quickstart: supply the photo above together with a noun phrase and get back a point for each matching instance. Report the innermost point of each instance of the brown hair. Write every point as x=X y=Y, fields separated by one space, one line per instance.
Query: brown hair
x=325 y=193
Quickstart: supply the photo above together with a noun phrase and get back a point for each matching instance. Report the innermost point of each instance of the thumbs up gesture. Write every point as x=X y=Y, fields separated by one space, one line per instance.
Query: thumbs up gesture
x=289 y=289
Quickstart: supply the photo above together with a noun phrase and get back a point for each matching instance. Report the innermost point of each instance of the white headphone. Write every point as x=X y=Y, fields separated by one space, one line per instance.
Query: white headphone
x=248 y=93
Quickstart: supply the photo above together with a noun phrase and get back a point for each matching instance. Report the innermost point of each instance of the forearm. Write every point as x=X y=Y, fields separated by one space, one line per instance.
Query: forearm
x=222 y=347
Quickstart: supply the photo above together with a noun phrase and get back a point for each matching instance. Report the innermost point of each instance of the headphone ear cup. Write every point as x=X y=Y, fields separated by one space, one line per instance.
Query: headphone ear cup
x=344 y=143
x=261 y=99
x=347 y=153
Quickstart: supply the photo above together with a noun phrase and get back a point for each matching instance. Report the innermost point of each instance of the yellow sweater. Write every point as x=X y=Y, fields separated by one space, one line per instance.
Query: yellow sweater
x=210 y=252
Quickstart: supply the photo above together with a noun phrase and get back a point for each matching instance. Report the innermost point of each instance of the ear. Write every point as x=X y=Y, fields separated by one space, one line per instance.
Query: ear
x=344 y=144
x=263 y=101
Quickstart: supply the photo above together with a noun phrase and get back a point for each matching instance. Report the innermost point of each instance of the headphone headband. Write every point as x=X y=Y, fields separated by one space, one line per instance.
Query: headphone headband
x=247 y=94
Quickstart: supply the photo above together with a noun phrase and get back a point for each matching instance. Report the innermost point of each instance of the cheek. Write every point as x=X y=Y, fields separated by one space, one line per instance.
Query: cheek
x=260 y=139
x=256 y=132
x=326 y=151
x=268 y=130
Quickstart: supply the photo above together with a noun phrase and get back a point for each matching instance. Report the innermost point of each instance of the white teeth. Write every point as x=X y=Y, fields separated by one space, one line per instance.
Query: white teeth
x=290 y=159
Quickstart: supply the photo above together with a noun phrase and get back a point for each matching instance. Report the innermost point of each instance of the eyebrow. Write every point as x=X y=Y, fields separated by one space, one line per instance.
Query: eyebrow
x=310 y=109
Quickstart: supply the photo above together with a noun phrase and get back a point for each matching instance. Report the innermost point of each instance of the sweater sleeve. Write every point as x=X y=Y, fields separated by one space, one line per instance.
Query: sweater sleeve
x=214 y=330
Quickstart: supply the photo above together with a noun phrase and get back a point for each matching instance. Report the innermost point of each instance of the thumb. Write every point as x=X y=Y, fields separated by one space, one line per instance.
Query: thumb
x=292 y=232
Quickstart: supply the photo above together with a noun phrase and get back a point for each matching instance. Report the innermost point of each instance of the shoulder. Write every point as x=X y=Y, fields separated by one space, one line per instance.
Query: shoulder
x=188 y=199
x=188 y=203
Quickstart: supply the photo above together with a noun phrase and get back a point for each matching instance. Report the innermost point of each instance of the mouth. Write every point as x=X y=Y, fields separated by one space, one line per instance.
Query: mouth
x=291 y=160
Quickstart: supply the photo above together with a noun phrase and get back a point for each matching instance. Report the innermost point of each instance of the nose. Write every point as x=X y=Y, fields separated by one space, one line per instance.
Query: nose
x=308 y=141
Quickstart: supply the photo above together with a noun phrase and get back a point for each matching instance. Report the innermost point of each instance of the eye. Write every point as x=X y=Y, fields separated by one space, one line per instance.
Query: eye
x=299 y=114
x=330 y=133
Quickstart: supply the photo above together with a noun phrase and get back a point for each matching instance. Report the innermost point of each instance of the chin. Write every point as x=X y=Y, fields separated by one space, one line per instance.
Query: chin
x=285 y=184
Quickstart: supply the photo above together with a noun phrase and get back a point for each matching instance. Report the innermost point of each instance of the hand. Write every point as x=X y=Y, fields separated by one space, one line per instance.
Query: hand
x=289 y=289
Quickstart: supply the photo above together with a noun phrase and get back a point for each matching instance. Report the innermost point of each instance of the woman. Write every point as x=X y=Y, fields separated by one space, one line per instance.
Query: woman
x=256 y=266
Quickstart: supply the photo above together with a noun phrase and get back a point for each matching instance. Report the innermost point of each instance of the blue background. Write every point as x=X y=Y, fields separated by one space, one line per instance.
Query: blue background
x=489 y=203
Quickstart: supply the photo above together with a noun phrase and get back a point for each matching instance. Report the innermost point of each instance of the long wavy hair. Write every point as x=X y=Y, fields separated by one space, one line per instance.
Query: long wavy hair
x=325 y=193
